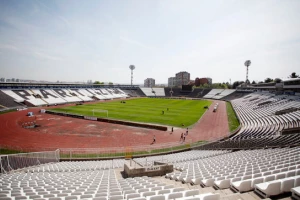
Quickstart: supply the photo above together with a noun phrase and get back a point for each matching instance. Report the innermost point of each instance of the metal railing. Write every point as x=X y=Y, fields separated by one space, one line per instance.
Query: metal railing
x=123 y=152
x=22 y=160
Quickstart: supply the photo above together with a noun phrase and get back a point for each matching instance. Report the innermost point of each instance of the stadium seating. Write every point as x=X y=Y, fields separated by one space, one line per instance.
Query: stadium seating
x=223 y=94
x=80 y=94
x=239 y=169
x=256 y=113
x=276 y=141
x=7 y=101
x=159 y=92
x=41 y=97
x=148 y=92
x=213 y=93
x=296 y=192
x=235 y=95
x=266 y=171
x=199 y=93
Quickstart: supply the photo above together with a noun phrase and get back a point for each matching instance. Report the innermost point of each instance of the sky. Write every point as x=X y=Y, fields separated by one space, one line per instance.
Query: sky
x=67 y=40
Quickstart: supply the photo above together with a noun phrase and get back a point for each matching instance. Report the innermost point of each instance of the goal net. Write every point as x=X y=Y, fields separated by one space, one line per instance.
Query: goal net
x=100 y=111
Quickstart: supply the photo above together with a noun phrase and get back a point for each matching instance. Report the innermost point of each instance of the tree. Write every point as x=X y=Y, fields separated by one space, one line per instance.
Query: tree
x=253 y=82
x=236 y=84
x=277 y=80
x=268 y=80
x=110 y=83
x=99 y=83
x=294 y=75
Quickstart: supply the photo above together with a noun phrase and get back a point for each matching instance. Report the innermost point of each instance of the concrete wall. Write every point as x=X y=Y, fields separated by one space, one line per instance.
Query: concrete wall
x=134 y=169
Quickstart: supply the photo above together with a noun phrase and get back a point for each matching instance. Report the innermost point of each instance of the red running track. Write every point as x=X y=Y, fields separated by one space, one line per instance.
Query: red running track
x=65 y=132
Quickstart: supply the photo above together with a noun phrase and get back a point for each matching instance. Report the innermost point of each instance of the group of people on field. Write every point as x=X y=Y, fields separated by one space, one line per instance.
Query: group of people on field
x=184 y=135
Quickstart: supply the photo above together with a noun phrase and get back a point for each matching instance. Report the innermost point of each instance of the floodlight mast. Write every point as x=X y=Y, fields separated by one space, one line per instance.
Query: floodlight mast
x=247 y=64
x=131 y=67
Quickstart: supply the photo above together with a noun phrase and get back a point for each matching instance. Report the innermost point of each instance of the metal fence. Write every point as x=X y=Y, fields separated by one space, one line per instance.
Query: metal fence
x=22 y=160
x=127 y=152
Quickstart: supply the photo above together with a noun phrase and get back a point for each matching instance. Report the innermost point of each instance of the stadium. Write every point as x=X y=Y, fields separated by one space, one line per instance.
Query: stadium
x=74 y=141
x=149 y=100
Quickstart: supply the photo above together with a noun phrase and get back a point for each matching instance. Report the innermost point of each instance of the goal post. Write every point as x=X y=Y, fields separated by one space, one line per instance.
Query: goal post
x=100 y=111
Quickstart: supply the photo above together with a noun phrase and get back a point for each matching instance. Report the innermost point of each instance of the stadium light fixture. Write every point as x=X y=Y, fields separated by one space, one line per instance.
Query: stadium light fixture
x=131 y=67
x=247 y=64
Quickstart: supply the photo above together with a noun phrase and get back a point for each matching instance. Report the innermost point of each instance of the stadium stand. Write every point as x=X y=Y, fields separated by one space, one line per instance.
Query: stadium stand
x=7 y=101
x=259 y=170
x=235 y=95
x=134 y=92
x=159 y=92
x=199 y=93
x=41 y=97
x=242 y=170
x=148 y=92
x=277 y=141
x=175 y=92
x=223 y=94
x=257 y=115
x=96 y=184
x=80 y=94
x=213 y=93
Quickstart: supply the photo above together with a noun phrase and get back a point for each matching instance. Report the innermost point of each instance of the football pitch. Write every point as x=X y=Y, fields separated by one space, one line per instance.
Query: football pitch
x=148 y=110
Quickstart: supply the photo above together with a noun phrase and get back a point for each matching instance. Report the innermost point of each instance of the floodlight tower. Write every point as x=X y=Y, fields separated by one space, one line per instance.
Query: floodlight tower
x=131 y=67
x=247 y=64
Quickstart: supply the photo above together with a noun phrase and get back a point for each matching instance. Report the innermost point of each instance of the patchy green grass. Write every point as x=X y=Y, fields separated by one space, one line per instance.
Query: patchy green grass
x=6 y=111
x=148 y=110
x=233 y=121
x=8 y=151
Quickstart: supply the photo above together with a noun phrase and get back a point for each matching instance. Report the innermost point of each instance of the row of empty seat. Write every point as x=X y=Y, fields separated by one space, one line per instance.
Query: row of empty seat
x=257 y=116
x=40 y=97
x=244 y=170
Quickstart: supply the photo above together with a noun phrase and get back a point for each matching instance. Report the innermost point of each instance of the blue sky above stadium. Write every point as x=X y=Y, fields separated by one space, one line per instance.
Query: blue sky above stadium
x=98 y=40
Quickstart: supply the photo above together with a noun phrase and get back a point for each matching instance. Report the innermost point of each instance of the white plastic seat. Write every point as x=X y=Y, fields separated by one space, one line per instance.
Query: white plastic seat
x=168 y=186
x=139 y=198
x=291 y=173
x=207 y=182
x=174 y=195
x=133 y=195
x=287 y=184
x=71 y=198
x=143 y=190
x=190 y=193
x=257 y=181
x=156 y=197
x=296 y=193
x=209 y=196
x=269 y=178
x=116 y=197
x=242 y=186
x=166 y=191
x=179 y=189
x=156 y=188
x=146 y=194
x=268 y=188
x=100 y=198
x=297 y=181
x=115 y=193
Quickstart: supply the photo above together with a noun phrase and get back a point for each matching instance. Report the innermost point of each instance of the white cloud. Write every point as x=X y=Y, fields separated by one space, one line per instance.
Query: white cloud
x=136 y=43
x=9 y=47
x=46 y=56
